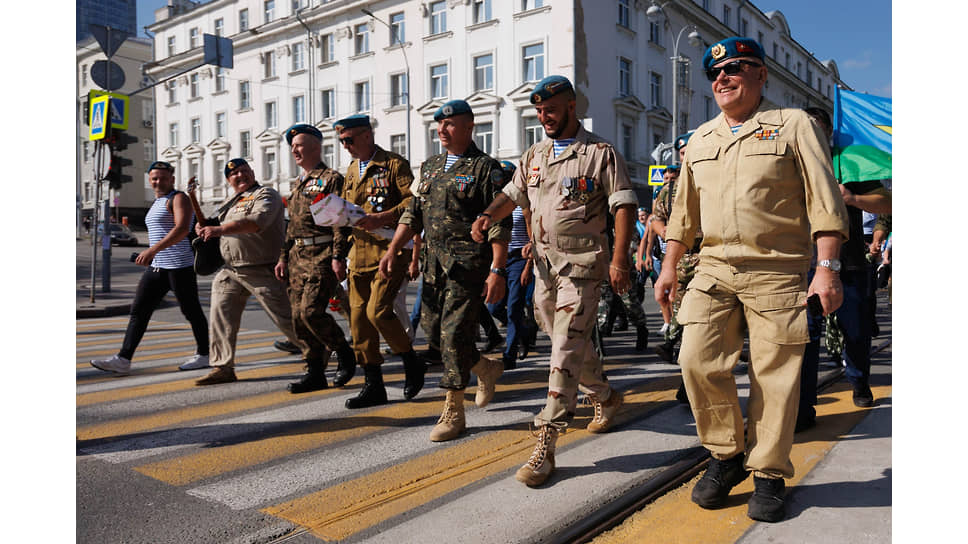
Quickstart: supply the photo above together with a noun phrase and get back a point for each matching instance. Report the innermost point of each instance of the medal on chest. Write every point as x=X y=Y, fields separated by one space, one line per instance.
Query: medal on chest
x=766 y=134
x=463 y=182
x=378 y=191
x=534 y=175
x=578 y=189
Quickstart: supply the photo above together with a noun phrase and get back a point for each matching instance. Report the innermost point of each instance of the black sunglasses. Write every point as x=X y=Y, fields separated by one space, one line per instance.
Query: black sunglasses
x=731 y=69
x=346 y=141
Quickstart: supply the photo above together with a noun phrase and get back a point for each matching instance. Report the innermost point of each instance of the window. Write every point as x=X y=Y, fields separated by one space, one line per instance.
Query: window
x=329 y=154
x=438 y=17
x=726 y=14
x=245 y=144
x=298 y=5
x=269 y=10
x=531 y=4
x=655 y=84
x=196 y=130
x=171 y=46
x=362 y=95
x=245 y=101
x=759 y=38
x=800 y=70
x=87 y=151
x=398 y=144
x=438 y=81
x=220 y=125
x=533 y=132
x=173 y=134
x=398 y=89
x=809 y=77
x=744 y=27
x=326 y=45
x=482 y=11
x=243 y=20
x=219 y=79
x=172 y=92
x=362 y=38
x=269 y=164
x=83 y=74
x=299 y=109
x=707 y=107
x=484 y=72
x=269 y=65
x=398 y=32
x=328 y=99
x=655 y=33
x=623 y=13
x=193 y=86
x=705 y=5
x=533 y=62
x=624 y=77
x=272 y=117
x=484 y=137
x=786 y=63
x=435 y=146
x=193 y=38
x=628 y=139
x=219 y=26
x=298 y=57
x=776 y=51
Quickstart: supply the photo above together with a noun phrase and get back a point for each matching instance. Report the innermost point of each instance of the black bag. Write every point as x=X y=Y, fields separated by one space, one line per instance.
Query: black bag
x=208 y=255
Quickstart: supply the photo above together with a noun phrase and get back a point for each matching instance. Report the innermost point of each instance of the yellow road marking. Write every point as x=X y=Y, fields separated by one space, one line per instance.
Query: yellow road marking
x=675 y=518
x=243 y=343
x=181 y=333
x=343 y=510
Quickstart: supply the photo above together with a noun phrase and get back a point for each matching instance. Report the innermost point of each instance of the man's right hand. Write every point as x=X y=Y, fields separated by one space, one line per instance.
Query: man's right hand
x=280 y=271
x=665 y=286
x=386 y=264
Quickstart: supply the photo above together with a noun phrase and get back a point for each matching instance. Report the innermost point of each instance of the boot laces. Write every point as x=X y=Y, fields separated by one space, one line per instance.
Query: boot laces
x=449 y=414
x=598 y=405
x=545 y=434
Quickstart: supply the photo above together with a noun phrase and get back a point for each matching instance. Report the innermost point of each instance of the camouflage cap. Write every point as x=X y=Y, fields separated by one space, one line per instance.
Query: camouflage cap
x=302 y=128
x=233 y=164
x=452 y=108
x=550 y=86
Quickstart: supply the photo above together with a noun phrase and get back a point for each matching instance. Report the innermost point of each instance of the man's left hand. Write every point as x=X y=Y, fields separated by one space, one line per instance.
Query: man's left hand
x=373 y=221
x=494 y=288
x=339 y=268
x=479 y=229
x=207 y=233
x=826 y=284
x=847 y=195
x=619 y=278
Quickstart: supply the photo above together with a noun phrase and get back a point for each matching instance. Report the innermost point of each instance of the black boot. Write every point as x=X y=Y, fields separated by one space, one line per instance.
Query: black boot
x=766 y=504
x=313 y=380
x=665 y=351
x=432 y=355
x=347 y=365
x=621 y=323
x=414 y=369
x=641 y=338
x=713 y=488
x=373 y=392
x=681 y=395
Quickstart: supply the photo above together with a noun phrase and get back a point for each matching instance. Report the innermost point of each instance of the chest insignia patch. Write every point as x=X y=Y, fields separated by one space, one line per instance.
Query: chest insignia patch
x=766 y=134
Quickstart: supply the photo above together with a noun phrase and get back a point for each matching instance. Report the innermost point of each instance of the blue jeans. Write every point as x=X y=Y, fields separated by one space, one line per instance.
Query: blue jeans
x=415 y=313
x=855 y=318
x=518 y=296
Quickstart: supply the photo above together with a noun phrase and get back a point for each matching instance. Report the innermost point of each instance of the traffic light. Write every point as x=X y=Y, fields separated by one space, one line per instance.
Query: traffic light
x=115 y=176
x=121 y=140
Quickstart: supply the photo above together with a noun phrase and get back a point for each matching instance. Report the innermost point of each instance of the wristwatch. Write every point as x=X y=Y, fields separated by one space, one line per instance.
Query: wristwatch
x=832 y=264
x=503 y=272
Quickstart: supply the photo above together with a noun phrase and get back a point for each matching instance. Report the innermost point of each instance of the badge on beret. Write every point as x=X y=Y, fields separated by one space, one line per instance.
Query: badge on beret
x=743 y=47
x=230 y=165
x=552 y=86
x=536 y=98
x=447 y=111
x=718 y=51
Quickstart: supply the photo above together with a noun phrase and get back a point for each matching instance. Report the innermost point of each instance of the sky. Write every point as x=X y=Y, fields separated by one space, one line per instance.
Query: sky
x=856 y=34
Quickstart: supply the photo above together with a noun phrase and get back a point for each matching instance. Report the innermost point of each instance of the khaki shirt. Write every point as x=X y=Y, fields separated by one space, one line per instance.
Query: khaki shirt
x=569 y=198
x=384 y=187
x=263 y=206
x=760 y=194
x=311 y=186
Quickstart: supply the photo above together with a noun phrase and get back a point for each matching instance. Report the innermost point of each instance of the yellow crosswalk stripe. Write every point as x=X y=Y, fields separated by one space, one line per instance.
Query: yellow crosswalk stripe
x=149 y=349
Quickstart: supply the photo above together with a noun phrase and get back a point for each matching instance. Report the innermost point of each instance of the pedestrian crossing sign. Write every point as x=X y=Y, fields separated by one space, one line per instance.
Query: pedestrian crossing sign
x=118 y=109
x=656 y=171
x=99 y=117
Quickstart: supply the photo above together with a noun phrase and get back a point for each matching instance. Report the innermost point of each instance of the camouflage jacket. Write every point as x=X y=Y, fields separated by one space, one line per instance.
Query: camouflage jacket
x=310 y=187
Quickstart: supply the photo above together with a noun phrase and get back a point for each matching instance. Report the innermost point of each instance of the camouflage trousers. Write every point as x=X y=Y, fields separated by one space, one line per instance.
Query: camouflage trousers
x=566 y=307
x=312 y=283
x=450 y=305
x=685 y=271
x=630 y=300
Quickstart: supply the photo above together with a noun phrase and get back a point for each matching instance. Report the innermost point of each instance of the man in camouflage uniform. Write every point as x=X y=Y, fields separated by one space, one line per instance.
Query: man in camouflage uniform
x=628 y=301
x=379 y=182
x=455 y=187
x=569 y=182
x=313 y=260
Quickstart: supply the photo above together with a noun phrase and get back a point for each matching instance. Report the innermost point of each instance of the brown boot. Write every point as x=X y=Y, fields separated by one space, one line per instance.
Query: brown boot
x=542 y=462
x=605 y=412
x=488 y=371
x=219 y=374
x=451 y=423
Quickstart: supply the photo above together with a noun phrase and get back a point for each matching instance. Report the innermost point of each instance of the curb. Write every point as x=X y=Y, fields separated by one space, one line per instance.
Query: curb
x=89 y=310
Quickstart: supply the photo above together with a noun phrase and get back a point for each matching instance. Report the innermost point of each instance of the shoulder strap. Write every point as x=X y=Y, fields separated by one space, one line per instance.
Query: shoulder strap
x=171 y=196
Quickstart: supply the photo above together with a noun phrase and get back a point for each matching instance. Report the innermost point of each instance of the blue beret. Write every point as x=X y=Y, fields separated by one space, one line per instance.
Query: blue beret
x=731 y=48
x=232 y=165
x=508 y=167
x=682 y=140
x=550 y=86
x=302 y=128
x=452 y=108
x=353 y=121
x=161 y=165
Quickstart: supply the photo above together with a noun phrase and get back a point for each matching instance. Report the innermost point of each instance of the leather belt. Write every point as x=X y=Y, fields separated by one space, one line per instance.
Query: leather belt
x=313 y=240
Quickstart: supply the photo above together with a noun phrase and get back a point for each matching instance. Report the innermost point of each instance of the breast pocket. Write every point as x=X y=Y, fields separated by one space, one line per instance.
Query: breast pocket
x=704 y=164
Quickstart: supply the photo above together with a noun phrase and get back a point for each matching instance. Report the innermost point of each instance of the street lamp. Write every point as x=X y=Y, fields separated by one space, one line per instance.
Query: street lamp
x=695 y=39
x=312 y=66
x=406 y=91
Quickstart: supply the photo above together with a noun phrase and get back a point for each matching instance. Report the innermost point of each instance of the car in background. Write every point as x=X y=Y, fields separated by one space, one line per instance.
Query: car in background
x=121 y=235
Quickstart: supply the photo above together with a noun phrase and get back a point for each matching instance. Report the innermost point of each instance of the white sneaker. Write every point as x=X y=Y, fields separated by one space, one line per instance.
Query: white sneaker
x=117 y=364
x=662 y=331
x=197 y=361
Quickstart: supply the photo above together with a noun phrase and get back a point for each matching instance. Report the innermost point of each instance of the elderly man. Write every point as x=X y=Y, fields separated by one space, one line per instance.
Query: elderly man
x=379 y=182
x=455 y=187
x=313 y=261
x=251 y=233
x=569 y=182
x=758 y=180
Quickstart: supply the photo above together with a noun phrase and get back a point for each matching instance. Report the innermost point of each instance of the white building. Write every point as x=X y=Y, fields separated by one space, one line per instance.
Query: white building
x=134 y=198
x=488 y=52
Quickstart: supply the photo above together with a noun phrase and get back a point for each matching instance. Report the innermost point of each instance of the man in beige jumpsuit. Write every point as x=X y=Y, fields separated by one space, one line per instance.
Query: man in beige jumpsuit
x=758 y=180
x=569 y=183
x=251 y=233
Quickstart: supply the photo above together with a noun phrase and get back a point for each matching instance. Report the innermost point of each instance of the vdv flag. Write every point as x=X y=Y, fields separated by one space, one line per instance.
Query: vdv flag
x=862 y=137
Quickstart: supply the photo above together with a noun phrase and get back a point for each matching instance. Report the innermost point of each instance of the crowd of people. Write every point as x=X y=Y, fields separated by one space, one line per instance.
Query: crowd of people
x=749 y=224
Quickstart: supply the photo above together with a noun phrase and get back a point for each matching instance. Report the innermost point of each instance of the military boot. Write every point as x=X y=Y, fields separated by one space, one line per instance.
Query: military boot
x=313 y=380
x=641 y=337
x=451 y=423
x=542 y=461
x=488 y=371
x=347 y=365
x=373 y=393
x=713 y=488
x=604 y=411
x=414 y=369
x=766 y=504
x=666 y=350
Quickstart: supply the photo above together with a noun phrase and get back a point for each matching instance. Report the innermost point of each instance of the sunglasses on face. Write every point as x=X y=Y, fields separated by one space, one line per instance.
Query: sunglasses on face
x=731 y=69
x=346 y=141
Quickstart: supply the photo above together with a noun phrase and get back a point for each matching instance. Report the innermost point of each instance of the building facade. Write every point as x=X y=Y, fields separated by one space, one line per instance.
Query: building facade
x=134 y=198
x=119 y=14
x=317 y=61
